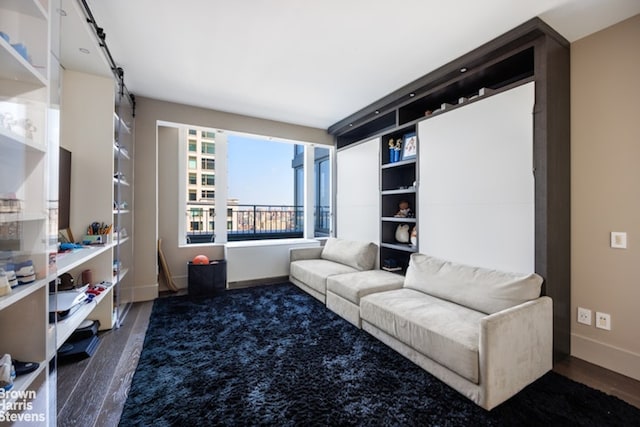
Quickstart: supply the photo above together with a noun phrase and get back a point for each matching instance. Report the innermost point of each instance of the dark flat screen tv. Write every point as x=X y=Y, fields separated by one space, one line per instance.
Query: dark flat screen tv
x=64 y=189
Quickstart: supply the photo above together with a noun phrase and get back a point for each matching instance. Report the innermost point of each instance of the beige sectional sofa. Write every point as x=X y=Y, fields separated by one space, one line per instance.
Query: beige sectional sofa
x=485 y=333
x=309 y=268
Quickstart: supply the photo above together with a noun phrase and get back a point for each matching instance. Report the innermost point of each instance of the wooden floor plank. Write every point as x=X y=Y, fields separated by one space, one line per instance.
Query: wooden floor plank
x=81 y=404
x=119 y=388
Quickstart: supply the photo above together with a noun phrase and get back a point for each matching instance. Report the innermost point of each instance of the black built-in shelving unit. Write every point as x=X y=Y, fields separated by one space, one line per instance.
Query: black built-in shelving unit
x=531 y=52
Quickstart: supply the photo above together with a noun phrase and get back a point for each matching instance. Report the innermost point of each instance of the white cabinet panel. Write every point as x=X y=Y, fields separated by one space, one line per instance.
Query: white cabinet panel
x=357 y=192
x=477 y=184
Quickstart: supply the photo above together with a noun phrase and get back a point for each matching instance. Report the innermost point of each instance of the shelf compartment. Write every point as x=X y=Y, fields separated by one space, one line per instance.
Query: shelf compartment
x=390 y=203
x=65 y=327
x=22 y=217
x=22 y=383
x=20 y=292
x=503 y=72
x=69 y=260
x=367 y=127
x=27 y=7
x=15 y=67
x=12 y=141
x=119 y=276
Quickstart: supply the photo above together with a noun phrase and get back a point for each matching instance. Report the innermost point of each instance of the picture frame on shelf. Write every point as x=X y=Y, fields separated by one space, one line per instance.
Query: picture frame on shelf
x=410 y=146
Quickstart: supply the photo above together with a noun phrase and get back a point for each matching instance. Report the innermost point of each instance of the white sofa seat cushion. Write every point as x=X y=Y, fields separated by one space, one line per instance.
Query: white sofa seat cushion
x=445 y=332
x=359 y=255
x=314 y=272
x=353 y=286
x=482 y=289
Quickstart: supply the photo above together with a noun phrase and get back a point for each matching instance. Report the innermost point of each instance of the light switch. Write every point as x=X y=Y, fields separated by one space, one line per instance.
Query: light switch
x=619 y=239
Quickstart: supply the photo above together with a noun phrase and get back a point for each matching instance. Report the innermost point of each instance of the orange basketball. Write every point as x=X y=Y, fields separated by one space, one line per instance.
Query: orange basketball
x=200 y=259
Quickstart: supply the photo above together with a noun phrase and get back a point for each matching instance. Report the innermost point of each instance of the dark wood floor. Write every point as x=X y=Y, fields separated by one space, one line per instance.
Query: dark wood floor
x=92 y=392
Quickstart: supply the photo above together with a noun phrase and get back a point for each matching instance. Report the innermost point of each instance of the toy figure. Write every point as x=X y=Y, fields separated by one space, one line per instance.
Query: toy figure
x=404 y=210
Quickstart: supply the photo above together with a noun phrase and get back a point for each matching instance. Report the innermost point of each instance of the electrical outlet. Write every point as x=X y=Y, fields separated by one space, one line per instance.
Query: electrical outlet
x=619 y=239
x=584 y=316
x=603 y=321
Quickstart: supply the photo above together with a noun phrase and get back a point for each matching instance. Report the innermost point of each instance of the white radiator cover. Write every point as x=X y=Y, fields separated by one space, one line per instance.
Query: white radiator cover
x=259 y=260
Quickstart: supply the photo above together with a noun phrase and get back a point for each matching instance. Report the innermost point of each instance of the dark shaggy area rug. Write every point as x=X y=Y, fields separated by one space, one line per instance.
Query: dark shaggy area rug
x=274 y=355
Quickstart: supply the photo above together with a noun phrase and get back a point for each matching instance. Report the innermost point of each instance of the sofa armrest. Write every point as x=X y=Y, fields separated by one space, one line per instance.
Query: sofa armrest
x=515 y=348
x=296 y=254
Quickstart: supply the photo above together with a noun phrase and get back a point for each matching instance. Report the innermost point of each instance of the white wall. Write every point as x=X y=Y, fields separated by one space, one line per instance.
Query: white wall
x=476 y=190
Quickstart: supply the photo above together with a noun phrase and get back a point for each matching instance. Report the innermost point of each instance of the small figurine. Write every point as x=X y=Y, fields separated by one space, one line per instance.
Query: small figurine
x=404 y=211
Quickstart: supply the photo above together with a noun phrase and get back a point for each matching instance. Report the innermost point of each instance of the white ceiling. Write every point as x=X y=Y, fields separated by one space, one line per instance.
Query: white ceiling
x=311 y=63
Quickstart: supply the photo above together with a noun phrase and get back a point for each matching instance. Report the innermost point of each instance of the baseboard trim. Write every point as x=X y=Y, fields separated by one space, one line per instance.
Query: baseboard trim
x=257 y=282
x=145 y=293
x=608 y=356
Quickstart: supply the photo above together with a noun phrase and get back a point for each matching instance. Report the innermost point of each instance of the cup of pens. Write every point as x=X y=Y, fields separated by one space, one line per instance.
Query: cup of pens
x=97 y=234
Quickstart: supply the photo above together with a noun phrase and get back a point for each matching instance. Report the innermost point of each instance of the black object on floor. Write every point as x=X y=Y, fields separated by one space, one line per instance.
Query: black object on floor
x=274 y=355
x=78 y=350
x=207 y=279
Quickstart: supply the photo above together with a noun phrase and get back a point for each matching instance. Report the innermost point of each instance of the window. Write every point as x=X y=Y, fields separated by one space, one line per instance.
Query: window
x=208 y=148
x=260 y=179
x=208 y=164
x=208 y=179
x=262 y=187
x=322 y=212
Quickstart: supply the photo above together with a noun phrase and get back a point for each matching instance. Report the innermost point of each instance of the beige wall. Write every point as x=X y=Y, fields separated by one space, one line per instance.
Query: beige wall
x=605 y=194
x=148 y=168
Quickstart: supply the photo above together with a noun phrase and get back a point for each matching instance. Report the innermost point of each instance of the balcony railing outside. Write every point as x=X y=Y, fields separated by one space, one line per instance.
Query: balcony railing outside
x=247 y=222
x=256 y=222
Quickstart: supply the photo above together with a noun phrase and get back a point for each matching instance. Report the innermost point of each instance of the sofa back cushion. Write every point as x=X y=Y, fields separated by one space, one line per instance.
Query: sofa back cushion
x=482 y=289
x=359 y=255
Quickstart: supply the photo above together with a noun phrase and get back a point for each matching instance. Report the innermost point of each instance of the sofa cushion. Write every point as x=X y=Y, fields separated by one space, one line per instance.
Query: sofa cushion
x=314 y=272
x=446 y=332
x=359 y=255
x=353 y=286
x=477 y=288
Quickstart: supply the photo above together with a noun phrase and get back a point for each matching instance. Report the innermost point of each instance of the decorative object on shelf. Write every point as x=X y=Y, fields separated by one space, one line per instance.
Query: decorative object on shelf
x=462 y=100
x=390 y=264
x=402 y=233
x=414 y=236
x=427 y=113
x=397 y=150
x=404 y=210
x=485 y=91
x=410 y=150
x=392 y=148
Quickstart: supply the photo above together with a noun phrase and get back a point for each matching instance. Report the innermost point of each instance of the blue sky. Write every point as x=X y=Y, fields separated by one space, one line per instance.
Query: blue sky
x=260 y=171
